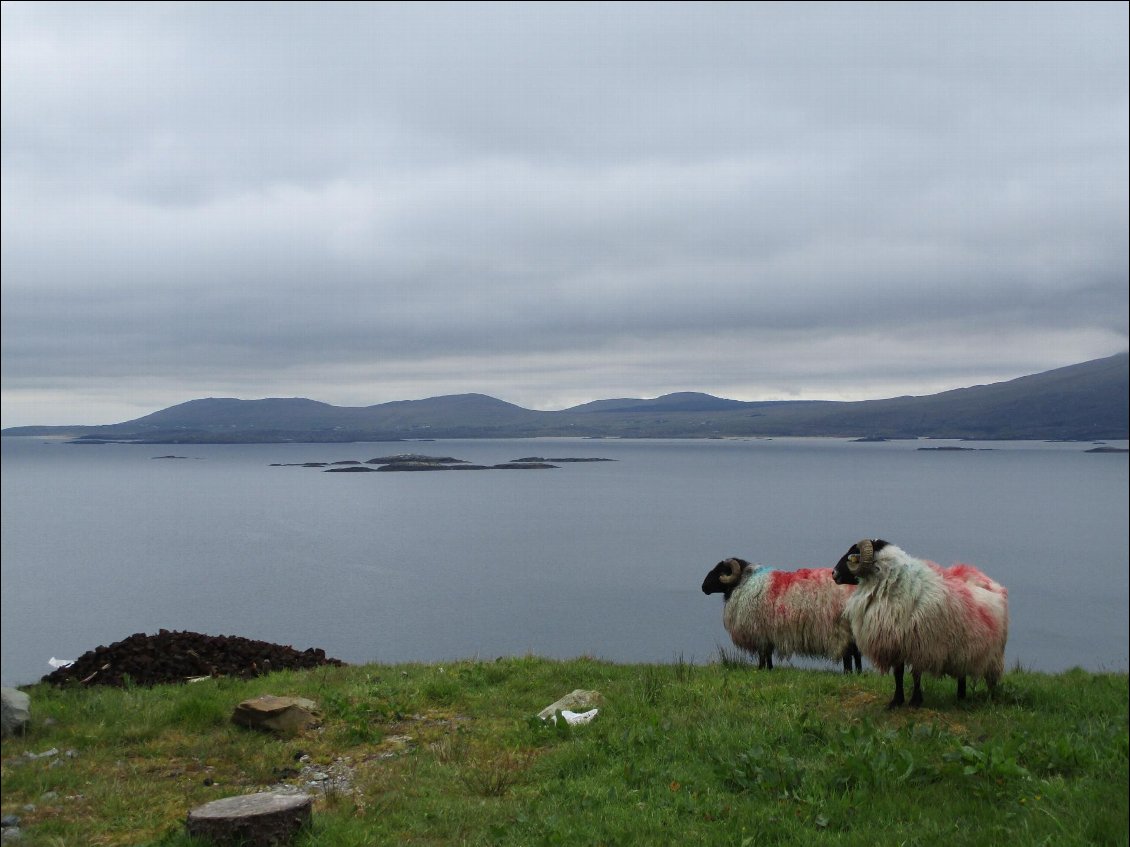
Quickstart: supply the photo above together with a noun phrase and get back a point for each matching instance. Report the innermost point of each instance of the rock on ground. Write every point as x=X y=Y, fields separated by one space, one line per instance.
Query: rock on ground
x=16 y=711
x=253 y=820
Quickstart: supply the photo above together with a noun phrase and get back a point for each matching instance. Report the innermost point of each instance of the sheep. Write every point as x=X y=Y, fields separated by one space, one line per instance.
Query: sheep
x=800 y=611
x=908 y=611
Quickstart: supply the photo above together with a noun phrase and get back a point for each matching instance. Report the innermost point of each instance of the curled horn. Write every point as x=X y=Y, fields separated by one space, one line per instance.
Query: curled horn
x=866 y=552
x=865 y=557
x=733 y=575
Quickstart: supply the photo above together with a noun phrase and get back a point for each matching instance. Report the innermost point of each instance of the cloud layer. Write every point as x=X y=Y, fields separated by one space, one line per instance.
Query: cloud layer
x=554 y=203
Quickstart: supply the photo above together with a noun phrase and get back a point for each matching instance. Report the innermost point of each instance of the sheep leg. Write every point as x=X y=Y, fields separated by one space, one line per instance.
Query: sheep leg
x=916 y=695
x=961 y=688
x=857 y=657
x=765 y=659
x=899 y=697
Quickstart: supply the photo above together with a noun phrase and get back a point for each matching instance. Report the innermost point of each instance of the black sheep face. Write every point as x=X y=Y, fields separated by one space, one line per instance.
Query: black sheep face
x=713 y=584
x=842 y=573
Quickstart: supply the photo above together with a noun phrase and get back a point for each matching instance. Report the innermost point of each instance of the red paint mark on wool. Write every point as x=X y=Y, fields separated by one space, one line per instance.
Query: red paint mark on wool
x=987 y=619
x=974 y=611
x=780 y=582
x=970 y=574
x=967 y=572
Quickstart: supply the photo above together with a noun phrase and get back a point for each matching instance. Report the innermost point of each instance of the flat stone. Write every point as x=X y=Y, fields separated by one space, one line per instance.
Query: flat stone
x=284 y=715
x=16 y=711
x=266 y=819
x=577 y=700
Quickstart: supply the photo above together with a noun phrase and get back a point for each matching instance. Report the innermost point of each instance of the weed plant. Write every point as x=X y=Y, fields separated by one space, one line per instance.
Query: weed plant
x=679 y=754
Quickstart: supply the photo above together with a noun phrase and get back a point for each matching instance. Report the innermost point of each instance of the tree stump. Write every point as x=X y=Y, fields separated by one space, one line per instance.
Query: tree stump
x=253 y=820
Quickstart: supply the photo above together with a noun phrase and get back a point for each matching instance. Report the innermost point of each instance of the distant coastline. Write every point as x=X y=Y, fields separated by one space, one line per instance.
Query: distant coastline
x=1084 y=402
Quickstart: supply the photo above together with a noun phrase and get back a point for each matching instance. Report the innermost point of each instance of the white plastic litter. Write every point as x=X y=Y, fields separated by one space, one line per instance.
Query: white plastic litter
x=577 y=700
x=574 y=718
x=60 y=663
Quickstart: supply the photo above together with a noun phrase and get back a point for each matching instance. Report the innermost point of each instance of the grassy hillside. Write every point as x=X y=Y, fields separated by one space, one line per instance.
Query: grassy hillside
x=679 y=754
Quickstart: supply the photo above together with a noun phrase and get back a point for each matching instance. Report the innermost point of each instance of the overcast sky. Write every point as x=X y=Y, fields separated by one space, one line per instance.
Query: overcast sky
x=555 y=203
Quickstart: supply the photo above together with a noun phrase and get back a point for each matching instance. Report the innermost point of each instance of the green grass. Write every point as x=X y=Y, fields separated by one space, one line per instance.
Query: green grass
x=680 y=754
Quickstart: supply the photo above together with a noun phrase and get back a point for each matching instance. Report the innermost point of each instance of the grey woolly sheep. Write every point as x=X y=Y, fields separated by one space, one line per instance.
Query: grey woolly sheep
x=766 y=610
x=908 y=611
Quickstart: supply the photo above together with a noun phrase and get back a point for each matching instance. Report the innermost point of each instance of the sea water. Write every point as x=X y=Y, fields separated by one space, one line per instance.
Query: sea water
x=604 y=559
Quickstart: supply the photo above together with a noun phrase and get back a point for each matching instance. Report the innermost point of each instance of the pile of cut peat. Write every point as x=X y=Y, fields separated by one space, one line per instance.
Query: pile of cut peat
x=179 y=656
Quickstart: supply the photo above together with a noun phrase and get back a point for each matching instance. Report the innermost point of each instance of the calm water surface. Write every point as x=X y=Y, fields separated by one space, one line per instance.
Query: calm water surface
x=603 y=559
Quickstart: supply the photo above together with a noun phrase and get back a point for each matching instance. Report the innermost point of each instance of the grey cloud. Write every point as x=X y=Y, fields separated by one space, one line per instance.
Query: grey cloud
x=370 y=196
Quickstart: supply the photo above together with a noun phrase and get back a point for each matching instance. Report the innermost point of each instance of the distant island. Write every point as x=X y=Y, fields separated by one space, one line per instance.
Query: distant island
x=950 y=448
x=418 y=462
x=1083 y=402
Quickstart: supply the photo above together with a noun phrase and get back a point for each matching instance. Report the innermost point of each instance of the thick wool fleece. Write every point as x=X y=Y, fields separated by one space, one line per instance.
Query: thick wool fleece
x=941 y=621
x=799 y=612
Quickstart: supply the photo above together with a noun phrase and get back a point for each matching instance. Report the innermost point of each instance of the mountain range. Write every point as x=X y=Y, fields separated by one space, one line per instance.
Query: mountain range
x=1087 y=401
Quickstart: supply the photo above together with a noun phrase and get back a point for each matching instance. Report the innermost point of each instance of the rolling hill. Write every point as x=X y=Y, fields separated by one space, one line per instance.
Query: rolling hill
x=1086 y=401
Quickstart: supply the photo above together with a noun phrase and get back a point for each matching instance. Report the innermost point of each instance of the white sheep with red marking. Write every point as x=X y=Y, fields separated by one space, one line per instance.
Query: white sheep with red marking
x=791 y=612
x=939 y=621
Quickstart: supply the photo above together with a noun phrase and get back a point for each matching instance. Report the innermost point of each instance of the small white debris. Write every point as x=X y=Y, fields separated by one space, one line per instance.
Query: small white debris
x=575 y=718
x=576 y=699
